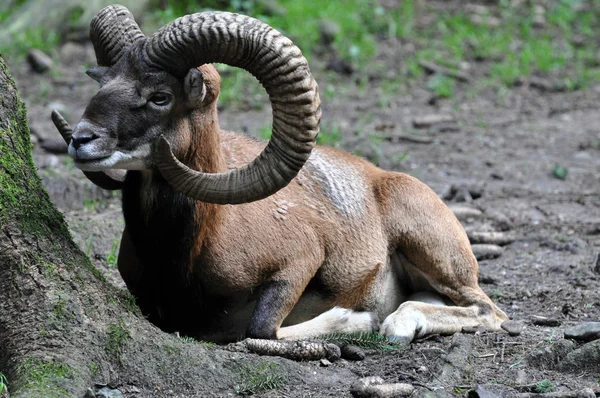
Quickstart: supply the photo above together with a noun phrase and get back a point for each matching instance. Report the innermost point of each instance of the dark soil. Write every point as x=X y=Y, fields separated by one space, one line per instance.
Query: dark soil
x=503 y=147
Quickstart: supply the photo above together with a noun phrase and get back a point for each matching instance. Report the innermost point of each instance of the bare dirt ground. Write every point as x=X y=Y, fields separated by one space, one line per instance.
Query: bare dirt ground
x=500 y=148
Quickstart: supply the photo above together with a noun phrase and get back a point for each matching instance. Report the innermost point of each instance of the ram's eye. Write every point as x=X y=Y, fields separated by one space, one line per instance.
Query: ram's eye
x=160 y=99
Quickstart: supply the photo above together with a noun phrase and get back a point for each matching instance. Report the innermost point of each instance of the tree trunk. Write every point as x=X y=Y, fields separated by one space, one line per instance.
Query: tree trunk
x=63 y=328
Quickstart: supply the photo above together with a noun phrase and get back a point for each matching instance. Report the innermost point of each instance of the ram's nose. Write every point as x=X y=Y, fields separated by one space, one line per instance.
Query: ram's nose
x=83 y=137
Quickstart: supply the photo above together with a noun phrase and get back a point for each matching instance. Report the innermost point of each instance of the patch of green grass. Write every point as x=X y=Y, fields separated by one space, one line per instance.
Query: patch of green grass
x=191 y=340
x=38 y=38
x=263 y=377
x=3 y=386
x=514 y=46
x=117 y=335
x=544 y=386
x=129 y=302
x=357 y=23
x=373 y=341
x=329 y=136
x=44 y=378
x=172 y=349
x=265 y=132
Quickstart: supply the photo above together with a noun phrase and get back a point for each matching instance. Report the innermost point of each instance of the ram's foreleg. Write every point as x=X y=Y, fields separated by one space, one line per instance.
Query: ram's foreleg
x=279 y=296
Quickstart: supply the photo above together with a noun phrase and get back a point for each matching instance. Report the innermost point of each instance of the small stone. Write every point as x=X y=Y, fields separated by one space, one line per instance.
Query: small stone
x=89 y=393
x=325 y=362
x=106 y=392
x=273 y=7
x=539 y=21
x=430 y=120
x=328 y=30
x=585 y=357
x=461 y=194
x=487 y=280
x=340 y=66
x=465 y=192
x=473 y=329
x=597 y=267
x=39 y=61
x=496 y=238
x=54 y=145
x=374 y=387
x=544 y=321
x=464 y=212
x=549 y=356
x=513 y=328
x=352 y=352
x=586 y=331
x=484 y=392
x=486 y=251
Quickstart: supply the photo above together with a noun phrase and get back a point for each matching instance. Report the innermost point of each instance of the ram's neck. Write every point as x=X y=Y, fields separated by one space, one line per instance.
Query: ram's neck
x=152 y=209
x=204 y=149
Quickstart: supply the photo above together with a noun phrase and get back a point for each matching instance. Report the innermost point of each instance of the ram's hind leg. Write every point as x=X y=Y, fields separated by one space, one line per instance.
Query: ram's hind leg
x=415 y=318
x=437 y=255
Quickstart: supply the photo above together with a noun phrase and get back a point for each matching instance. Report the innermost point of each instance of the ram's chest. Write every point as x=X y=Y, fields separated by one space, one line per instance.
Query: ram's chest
x=164 y=236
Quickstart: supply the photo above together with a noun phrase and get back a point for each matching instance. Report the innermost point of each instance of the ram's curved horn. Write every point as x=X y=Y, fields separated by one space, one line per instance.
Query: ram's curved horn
x=111 y=31
x=279 y=66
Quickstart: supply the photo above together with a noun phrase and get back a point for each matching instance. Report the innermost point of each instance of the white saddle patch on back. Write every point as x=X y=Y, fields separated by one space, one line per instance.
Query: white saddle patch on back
x=341 y=182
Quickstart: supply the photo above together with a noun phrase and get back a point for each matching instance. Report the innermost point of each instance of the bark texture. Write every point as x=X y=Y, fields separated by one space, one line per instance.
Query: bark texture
x=64 y=328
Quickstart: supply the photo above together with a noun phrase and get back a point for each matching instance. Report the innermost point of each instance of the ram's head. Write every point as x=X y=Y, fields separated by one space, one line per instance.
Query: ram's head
x=140 y=117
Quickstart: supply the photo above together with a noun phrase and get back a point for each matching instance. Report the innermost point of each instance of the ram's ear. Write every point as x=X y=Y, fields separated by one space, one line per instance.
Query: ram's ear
x=194 y=88
x=97 y=73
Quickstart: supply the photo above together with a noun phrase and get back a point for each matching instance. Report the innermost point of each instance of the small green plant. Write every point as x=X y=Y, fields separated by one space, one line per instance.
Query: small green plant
x=94 y=368
x=113 y=256
x=59 y=309
x=544 y=386
x=88 y=248
x=90 y=204
x=373 y=341
x=495 y=294
x=399 y=159
x=258 y=379
x=442 y=86
x=117 y=336
x=560 y=172
x=3 y=386
x=187 y=339
x=550 y=339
